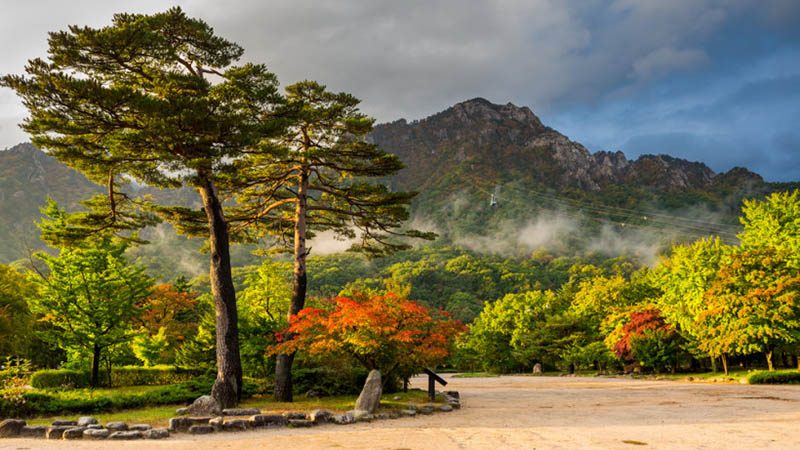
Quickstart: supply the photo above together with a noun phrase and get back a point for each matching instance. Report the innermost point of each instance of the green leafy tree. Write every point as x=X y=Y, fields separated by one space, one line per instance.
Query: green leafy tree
x=156 y=98
x=149 y=349
x=315 y=179
x=15 y=317
x=774 y=223
x=89 y=296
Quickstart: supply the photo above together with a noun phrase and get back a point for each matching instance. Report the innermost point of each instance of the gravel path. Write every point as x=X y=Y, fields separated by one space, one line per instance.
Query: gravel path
x=518 y=412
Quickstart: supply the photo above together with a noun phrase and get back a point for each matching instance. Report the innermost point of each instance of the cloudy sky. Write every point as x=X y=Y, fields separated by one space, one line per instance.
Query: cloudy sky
x=710 y=80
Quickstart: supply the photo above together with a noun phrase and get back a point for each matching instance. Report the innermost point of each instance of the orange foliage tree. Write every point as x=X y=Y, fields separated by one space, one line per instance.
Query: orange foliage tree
x=172 y=307
x=393 y=335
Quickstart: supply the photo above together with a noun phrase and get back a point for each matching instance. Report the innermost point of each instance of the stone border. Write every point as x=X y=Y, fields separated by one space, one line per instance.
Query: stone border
x=231 y=421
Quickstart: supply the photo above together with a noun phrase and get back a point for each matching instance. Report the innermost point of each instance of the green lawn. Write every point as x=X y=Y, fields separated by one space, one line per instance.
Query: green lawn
x=159 y=415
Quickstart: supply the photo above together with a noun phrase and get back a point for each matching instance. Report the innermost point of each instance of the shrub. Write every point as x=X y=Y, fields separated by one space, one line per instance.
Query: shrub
x=59 y=379
x=120 y=376
x=328 y=382
x=775 y=377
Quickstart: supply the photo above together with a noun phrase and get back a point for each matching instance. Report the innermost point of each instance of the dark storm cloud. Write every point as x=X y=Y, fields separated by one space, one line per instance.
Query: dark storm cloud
x=606 y=70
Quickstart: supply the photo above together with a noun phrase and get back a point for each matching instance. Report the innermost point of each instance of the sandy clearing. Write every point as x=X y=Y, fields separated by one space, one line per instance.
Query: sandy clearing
x=519 y=412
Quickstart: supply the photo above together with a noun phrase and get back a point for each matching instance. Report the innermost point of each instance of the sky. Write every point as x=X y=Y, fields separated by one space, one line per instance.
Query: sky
x=707 y=80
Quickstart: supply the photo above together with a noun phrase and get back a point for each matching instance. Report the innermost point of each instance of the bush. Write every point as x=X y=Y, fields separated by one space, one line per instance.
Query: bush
x=120 y=376
x=775 y=377
x=59 y=379
x=327 y=382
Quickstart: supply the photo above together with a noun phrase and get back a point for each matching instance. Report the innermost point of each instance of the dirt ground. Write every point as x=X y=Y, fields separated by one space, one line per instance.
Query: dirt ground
x=519 y=412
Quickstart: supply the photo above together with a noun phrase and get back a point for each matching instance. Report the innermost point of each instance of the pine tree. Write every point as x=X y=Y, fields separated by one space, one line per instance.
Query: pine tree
x=155 y=98
x=317 y=178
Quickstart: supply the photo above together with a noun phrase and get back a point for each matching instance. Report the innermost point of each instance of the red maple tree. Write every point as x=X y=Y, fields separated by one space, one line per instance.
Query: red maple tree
x=387 y=333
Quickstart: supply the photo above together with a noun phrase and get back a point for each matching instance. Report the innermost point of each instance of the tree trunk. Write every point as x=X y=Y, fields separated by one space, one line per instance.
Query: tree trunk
x=725 y=363
x=713 y=364
x=227 y=389
x=95 y=380
x=769 y=360
x=283 y=363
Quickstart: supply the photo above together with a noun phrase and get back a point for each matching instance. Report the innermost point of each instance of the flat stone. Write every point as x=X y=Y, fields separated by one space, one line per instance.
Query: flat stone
x=56 y=431
x=38 y=431
x=63 y=423
x=396 y=398
x=126 y=435
x=117 y=426
x=182 y=411
x=205 y=406
x=295 y=415
x=201 y=429
x=408 y=412
x=445 y=408
x=94 y=433
x=157 y=433
x=411 y=407
x=11 y=427
x=453 y=394
x=216 y=422
x=361 y=415
x=86 y=420
x=268 y=420
x=178 y=424
x=343 y=419
x=240 y=411
x=300 y=423
x=235 y=425
x=139 y=427
x=198 y=420
x=320 y=416
x=386 y=415
x=369 y=399
x=425 y=410
x=73 y=433
x=94 y=426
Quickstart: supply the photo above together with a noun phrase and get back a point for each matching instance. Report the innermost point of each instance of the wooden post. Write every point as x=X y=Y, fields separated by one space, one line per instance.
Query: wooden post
x=433 y=378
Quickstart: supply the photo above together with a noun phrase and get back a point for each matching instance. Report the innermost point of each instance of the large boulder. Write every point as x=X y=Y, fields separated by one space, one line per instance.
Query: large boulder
x=370 y=398
x=205 y=405
x=11 y=427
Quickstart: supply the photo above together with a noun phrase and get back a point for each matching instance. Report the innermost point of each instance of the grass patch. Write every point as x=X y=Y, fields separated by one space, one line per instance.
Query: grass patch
x=160 y=415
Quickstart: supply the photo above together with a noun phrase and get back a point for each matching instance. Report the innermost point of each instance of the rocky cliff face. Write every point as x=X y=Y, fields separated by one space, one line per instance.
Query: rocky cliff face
x=506 y=141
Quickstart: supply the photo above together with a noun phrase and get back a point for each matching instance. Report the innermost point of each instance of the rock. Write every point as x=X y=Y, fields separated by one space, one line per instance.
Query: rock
x=235 y=425
x=397 y=398
x=425 y=410
x=313 y=394
x=140 y=427
x=408 y=412
x=94 y=433
x=157 y=433
x=38 y=431
x=386 y=415
x=201 y=429
x=411 y=407
x=126 y=435
x=537 y=368
x=216 y=422
x=182 y=411
x=94 y=426
x=240 y=411
x=56 y=431
x=370 y=398
x=73 y=433
x=11 y=427
x=86 y=420
x=453 y=394
x=360 y=415
x=63 y=423
x=179 y=424
x=205 y=406
x=445 y=408
x=295 y=415
x=343 y=419
x=300 y=423
x=268 y=420
x=117 y=426
x=320 y=416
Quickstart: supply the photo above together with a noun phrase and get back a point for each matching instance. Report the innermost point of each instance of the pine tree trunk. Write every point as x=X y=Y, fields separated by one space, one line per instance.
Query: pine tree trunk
x=283 y=363
x=227 y=389
x=95 y=381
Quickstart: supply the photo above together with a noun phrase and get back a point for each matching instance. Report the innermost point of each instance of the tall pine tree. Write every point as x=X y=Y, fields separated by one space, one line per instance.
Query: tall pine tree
x=321 y=176
x=156 y=98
